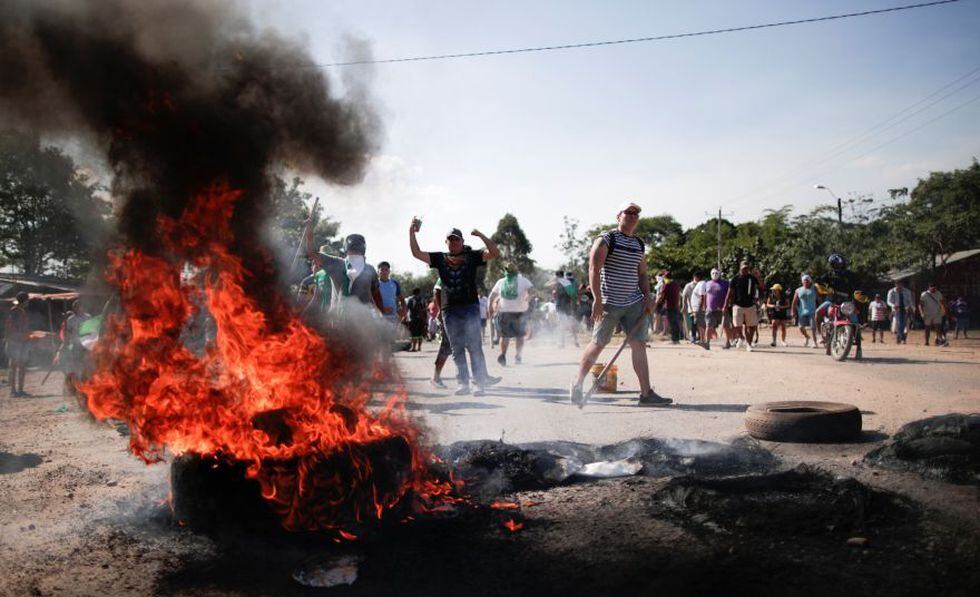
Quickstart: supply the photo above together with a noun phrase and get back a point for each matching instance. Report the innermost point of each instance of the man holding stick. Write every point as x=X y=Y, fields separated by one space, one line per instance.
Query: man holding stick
x=618 y=276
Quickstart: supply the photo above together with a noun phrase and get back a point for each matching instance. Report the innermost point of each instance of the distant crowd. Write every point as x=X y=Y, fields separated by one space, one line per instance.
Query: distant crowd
x=618 y=296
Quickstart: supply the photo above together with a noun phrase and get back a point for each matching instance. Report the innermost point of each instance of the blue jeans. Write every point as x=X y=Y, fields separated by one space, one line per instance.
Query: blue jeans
x=463 y=328
x=900 y=324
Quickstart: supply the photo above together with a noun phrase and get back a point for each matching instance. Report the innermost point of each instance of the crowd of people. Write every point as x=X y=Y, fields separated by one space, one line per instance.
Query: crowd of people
x=617 y=296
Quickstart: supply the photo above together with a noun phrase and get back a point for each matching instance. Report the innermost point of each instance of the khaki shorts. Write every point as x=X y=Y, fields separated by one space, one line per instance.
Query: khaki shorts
x=628 y=316
x=932 y=320
x=745 y=316
x=18 y=353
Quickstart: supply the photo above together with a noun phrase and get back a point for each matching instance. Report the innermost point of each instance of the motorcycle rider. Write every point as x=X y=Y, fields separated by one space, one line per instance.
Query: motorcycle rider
x=839 y=286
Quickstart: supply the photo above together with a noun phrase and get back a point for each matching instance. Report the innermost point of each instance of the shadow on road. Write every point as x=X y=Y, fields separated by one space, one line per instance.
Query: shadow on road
x=447 y=408
x=901 y=361
x=712 y=408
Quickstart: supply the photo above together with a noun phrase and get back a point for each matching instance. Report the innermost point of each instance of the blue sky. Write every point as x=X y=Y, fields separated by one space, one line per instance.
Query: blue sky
x=745 y=121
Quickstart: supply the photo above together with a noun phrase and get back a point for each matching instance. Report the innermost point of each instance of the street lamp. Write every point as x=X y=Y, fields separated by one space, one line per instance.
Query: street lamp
x=840 y=208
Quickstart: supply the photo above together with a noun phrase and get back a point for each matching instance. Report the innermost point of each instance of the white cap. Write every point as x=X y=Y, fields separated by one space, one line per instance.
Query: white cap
x=626 y=205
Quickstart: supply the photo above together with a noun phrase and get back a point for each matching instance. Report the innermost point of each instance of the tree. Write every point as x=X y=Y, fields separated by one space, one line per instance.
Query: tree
x=290 y=208
x=942 y=214
x=52 y=218
x=514 y=248
x=575 y=248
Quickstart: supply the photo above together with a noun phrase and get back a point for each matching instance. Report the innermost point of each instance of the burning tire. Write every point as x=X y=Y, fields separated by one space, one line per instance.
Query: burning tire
x=803 y=421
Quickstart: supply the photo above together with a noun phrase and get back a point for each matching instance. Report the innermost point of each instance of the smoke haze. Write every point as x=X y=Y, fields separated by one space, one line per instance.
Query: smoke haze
x=179 y=95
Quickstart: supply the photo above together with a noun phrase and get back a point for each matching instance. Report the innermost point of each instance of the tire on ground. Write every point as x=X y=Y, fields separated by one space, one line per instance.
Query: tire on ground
x=803 y=421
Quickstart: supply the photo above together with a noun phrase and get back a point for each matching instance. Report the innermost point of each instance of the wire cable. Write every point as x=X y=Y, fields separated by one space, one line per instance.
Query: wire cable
x=638 y=39
x=779 y=183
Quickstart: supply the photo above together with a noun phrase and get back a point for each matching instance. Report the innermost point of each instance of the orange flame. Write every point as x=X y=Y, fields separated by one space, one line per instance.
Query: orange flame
x=261 y=364
x=512 y=525
x=504 y=505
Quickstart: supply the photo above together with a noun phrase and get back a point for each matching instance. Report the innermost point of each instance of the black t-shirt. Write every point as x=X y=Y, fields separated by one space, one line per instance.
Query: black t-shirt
x=842 y=281
x=416 y=308
x=745 y=290
x=459 y=283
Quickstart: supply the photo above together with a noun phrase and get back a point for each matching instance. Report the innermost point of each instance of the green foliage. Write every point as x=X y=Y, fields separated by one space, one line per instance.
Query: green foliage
x=409 y=281
x=575 y=248
x=290 y=208
x=52 y=219
x=942 y=215
x=514 y=248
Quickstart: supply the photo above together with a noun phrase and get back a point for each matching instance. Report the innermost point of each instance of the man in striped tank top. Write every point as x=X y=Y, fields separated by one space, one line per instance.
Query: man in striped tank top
x=618 y=276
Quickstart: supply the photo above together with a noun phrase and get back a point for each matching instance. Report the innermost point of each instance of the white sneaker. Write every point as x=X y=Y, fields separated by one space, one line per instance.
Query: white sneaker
x=806 y=343
x=748 y=347
x=782 y=343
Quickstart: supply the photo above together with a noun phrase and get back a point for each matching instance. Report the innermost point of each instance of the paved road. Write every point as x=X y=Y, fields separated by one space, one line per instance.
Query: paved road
x=894 y=385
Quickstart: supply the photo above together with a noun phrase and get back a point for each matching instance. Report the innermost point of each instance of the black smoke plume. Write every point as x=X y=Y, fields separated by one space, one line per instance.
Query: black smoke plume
x=179 y=94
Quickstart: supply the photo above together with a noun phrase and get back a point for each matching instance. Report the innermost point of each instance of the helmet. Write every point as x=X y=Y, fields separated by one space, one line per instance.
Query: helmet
x=837 y=261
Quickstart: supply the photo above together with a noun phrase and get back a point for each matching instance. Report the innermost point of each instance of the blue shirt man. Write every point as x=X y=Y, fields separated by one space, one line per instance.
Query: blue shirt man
x=392 y=300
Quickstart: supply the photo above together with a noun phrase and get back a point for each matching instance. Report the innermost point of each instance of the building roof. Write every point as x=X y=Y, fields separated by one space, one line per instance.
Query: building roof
x=950 y=258
x=12 y=283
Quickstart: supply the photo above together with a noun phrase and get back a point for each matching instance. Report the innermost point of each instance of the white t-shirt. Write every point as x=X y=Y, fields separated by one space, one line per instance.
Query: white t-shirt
x=688 y=295
x=697 y=295
x=518 y=305
x=879 y=311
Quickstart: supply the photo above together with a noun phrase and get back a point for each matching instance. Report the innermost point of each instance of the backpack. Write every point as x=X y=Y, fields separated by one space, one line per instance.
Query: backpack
x=612 y=242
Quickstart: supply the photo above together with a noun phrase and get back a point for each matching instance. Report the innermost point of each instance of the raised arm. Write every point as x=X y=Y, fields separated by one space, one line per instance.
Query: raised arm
x=413 y=242
x=491 y=251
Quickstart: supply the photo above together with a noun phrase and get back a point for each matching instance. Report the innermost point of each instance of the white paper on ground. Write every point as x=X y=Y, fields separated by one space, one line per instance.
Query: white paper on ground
x=607 y=469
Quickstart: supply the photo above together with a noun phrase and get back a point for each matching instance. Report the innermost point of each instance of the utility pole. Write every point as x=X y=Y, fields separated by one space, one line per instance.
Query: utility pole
x=840 y=207
x=719 y=231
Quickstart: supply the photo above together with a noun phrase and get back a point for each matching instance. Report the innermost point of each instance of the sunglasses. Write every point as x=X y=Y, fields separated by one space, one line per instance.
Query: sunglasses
x=631 y=212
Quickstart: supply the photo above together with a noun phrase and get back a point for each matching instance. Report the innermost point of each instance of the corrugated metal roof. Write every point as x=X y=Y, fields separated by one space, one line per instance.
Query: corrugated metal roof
x=951 y=258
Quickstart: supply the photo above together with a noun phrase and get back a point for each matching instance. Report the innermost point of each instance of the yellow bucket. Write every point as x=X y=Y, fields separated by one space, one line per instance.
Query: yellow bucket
x=610 y=382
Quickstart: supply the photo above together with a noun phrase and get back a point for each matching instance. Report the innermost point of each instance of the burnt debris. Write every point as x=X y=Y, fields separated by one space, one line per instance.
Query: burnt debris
x=490 y=468
x=946 y=448
x=801 y=501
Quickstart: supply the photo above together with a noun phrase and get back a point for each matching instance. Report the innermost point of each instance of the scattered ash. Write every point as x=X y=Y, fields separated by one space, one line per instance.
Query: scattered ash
x=673 y=457
x=801 y=501
x=493 y=468
x=946 y=448
x=490 y=469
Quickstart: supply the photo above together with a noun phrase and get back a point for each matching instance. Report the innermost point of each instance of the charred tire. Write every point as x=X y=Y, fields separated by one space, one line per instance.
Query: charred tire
x=803 y=421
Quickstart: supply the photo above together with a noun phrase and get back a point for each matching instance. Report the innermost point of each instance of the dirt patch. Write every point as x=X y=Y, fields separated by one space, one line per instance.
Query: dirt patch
x=946 y=448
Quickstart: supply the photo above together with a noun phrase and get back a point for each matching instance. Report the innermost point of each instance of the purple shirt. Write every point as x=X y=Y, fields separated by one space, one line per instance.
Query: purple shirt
x=717 y=291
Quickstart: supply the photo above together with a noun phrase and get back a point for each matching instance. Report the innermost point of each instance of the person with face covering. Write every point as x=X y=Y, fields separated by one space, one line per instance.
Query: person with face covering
x=714 y=292
x=461 y=306
x=351 y=276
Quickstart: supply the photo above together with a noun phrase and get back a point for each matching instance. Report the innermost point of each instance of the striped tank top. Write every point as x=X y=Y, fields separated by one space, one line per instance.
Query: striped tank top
x=620 y=280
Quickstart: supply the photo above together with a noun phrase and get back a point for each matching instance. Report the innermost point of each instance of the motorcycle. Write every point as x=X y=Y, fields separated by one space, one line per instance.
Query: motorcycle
x=839 y=332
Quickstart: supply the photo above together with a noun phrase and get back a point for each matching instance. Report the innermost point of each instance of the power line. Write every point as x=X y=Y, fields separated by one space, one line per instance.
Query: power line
x=893 y=139
x=639 y=39
x=867 y=135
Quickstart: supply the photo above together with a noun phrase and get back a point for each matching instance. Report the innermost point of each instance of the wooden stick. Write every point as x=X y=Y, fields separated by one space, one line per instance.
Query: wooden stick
x=302 y=238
